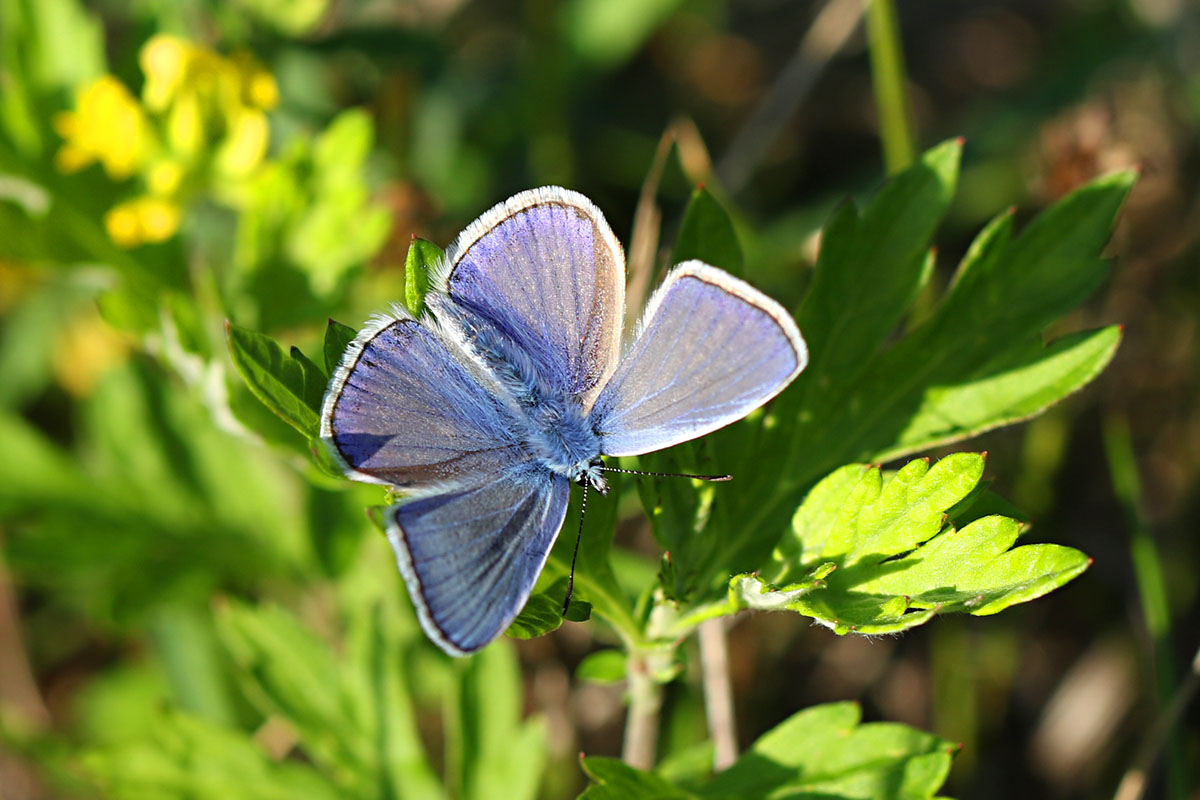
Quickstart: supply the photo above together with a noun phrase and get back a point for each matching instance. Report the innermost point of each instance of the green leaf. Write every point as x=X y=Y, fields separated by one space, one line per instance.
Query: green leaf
x=978 y=359
x=352 y=717
x=66 y=45
x=1053 y=266
x=183 y=639
x=35 y=472
x=871 y=267
x=423 y=257
x=323 y=458
x=821 y=752
x=983 y=502
x=31 y=332
x=293 y=18
x=501 y=756
x=578 y=611
x=824 y=751
x=315 y=379
x=289 y=387
x=379 y=517
x=612 y=779
x=707 y=233
x=898 y=561
x=543 y=611
x=287 y=670
x=602 y=666
x=159 y=486
x=540 y=616
x=1022 y=383
x=192 y=758
x=337 y=338
x=380 y=643
x=679 y=510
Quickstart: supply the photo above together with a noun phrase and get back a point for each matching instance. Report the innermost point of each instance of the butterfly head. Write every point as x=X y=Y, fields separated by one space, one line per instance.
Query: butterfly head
x=592 y=473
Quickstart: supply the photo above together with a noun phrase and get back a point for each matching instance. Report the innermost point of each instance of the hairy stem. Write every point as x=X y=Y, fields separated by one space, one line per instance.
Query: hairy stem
x=641 y=724
x=718 y=692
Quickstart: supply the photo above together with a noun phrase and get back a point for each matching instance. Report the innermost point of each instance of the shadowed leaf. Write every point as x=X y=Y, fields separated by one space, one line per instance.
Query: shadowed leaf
x=291 y=388
x=337 y=339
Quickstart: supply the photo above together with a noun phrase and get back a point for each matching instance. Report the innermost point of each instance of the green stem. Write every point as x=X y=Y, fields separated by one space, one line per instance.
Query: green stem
x=1151 y=585
x=889 y=77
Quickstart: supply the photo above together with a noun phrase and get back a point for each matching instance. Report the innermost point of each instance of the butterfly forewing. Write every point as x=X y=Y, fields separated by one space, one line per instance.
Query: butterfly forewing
x=403 y=410
x=543 y=272
x=711 y=350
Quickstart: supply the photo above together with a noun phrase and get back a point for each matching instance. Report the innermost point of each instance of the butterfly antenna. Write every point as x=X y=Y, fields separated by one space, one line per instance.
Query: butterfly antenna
x=575 y=555
x=713 y=478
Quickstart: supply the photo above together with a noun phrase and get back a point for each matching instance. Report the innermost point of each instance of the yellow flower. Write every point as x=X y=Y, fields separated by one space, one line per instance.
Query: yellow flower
x=245 y=144
x=141 y=220
x=209 y=101
x=185 y=125
x=262 y=90
x=165 y=178
x=258 y=86
x=165 y=61
x=107 y=125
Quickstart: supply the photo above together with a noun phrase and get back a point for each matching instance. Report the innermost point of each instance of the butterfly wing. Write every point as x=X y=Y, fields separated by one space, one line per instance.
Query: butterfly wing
x=711 y=349
x=543 y=272
x=471 y=558
x=402 y=409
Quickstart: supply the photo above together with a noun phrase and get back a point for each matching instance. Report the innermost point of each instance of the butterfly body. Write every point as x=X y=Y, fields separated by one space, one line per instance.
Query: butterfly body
x=514 y=385
x=550 y=426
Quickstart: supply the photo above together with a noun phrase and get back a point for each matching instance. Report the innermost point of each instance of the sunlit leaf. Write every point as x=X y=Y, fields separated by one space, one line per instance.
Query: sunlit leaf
x=422 y=258
x=821 y=752
x=898 y=561
x=824 y=751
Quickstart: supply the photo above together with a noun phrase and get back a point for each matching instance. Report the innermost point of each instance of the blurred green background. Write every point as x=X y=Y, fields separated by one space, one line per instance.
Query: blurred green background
x=168 y=164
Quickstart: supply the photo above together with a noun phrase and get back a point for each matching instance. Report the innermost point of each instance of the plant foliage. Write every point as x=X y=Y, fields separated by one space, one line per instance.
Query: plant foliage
x=186 y=484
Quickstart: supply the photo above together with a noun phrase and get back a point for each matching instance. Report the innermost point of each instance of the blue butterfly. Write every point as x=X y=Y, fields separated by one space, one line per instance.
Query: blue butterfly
x=513 y=385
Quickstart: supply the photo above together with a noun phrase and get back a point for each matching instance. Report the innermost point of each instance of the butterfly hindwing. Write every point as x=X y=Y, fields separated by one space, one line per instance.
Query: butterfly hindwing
x=544 y=276
x=711 y=349
x=403 y=410
x=471 y=558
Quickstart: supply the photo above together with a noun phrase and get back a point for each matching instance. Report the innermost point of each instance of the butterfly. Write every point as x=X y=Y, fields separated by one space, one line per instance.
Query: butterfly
x=513 y=385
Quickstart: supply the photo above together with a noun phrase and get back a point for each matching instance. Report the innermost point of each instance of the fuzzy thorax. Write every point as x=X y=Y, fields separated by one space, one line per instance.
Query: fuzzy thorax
x=555 y=429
